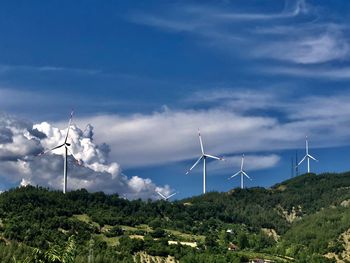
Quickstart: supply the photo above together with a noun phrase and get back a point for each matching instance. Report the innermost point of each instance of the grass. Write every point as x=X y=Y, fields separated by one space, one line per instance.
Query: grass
x=144 y=227
x=186 y=237
x=86 y=219
x=136 y=236
x=129 y=228
x=111 y=241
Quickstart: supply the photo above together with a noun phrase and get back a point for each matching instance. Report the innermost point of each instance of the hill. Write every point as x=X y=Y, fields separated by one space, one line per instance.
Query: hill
x=304 y=219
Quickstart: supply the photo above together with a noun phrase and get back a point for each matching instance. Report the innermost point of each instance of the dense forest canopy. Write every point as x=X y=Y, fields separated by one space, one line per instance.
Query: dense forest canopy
x=302 y=218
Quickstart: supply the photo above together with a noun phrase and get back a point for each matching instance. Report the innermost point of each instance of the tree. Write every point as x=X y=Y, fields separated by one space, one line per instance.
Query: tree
x=211 y=241
x=243 y=241
x=54 y=254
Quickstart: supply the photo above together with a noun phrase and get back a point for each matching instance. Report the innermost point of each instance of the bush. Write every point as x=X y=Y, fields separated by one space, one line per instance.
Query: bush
x=115 y=232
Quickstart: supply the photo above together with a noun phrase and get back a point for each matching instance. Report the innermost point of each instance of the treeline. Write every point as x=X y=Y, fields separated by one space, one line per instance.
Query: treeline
x=38 y=217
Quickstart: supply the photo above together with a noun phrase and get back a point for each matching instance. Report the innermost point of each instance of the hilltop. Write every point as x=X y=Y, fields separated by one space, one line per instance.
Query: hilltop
x=304 y=219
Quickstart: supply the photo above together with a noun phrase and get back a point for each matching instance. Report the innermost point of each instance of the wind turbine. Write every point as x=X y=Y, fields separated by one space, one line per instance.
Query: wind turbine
x=203 y=157
x=165 y=197
x=65 y=144
x=242 y=173
x=307 y=156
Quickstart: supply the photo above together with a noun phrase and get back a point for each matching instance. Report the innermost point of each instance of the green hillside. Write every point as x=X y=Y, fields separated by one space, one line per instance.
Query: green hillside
x=304 y=219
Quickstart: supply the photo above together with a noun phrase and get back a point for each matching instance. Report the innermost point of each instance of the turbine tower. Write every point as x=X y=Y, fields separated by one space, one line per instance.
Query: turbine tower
x=203 y=157
x=242 y=173
x=307 y=156
x=165 y=197
x=65 y=144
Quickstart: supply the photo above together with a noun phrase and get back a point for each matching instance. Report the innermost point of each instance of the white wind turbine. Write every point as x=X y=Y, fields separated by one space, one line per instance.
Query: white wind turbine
x=307 y=156
x=203 y=157
x=242 y=173
x=165 y=197
x=65 y=144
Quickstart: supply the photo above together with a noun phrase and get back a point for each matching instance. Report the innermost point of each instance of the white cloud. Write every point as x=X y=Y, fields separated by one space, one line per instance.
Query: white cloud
x=292 y=9
x=251 y=163
x=307 y=49
x=238 y=99
x=22 y=141
x=171 y=135
x=282 y=36
x=201 y=18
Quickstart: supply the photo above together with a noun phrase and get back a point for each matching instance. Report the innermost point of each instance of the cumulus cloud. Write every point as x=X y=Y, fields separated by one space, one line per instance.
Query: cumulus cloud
x=17 y=139
x=21 y=141
x=169 y=136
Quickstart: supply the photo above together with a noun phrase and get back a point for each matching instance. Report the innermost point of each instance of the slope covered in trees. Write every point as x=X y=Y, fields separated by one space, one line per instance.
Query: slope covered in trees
x=301 y=218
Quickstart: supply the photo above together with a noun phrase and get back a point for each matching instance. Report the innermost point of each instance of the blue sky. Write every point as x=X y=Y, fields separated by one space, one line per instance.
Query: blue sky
x=256 y=77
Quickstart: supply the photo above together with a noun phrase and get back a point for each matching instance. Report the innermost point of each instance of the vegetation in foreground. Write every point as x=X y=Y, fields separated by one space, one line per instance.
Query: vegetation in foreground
x=299 y=220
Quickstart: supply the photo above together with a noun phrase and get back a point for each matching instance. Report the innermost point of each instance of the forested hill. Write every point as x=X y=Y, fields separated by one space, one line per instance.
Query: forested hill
x=305 y=219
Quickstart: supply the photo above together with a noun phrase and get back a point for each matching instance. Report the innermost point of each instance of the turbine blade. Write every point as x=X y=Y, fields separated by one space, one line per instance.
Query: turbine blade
x=77 y=160
x=49 y=150
x=242 y=163
x=213 y=157
x=313 y=158
x=171 y=195
x=69 y=124
x=200 y=158
x=200 y=141
x=235 y=175
x=306 y=146
x=161 y=195
x=302 y=160
x=243 y=172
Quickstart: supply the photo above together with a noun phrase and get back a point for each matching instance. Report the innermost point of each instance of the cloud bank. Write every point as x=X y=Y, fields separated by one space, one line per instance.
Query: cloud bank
x=257 y=123
x=21 y=141
x=238 y=121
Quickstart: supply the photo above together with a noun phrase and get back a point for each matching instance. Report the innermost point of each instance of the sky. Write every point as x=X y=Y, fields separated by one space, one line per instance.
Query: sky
x=256 y=77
